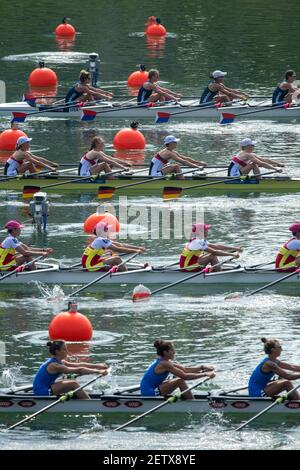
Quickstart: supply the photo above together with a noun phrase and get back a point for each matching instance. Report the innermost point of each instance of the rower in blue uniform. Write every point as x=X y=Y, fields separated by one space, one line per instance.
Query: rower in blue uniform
x=155 y=380
x=217 y=92
x=150 y=92
x=285 y=90
x=83 y=91
x=261 y=383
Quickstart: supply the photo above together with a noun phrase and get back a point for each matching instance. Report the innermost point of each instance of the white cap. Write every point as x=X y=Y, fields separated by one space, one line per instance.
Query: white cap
x=22 y=140
x=170 y=138
x=103 y=229
x=246 y=142
x=218 y=74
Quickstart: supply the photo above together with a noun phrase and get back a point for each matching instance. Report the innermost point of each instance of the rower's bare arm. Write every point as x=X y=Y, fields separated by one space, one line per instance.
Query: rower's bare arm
x=184 y=161
x=127 y=245
x=221 y=252
x=105 y=94
x=85 y=364
x=105 y=158
x=263 y=163
x=120 y=248
x=54 y=368
x=272 y=162
x=33 y=251
x=191 y=160
x=272 y=366
x=219 y=246
x=182 y=374
x=286 y=365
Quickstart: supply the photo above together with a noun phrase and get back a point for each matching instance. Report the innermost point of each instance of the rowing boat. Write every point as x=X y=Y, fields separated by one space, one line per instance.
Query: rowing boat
x=153 y=185
x=117 y=111
x=133 y=403
x=54 y=274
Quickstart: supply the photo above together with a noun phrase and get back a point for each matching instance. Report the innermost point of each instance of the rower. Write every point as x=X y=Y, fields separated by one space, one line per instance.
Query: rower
x=23 y=160
x=95 y=160
x=155 y=380
x=285 y=91
x=83 y=91
x=11 y=246
x=261 y=383
x=198 y=253
x=288 y=257
x=245 y=161
x=45 y=381
x=98 y=255
x=160 y=163
x=217 y=92
x=150 y=92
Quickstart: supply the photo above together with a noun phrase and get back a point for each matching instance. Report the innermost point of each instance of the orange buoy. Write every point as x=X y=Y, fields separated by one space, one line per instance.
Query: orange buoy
x=137 y=78
x=151 y=20
x=156 y=29
x=65 y=29
x=9 y=137
x=42 y=77
x=129 y=138
x=91 y=222
x=140 y=293
x=71 y=325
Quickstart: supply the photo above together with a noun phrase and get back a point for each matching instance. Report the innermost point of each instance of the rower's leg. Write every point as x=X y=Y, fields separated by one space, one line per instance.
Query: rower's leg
x=204 y=260
x=63 y=386
x=297 y=261
x=113 y=261
x=278 y=386
x=27 y=167
x=101 y=167
x=166 y=388
x=251 y=167
x=173 y=168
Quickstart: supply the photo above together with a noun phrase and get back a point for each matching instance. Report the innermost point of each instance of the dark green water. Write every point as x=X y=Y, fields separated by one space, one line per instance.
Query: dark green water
x=255 y=44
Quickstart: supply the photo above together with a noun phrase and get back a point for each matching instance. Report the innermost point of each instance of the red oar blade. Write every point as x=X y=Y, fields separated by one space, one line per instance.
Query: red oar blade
x=140 y=293
x=227 y=118
x=105 y=192
x=171 y=192
x=29 y=191
x=88 y=115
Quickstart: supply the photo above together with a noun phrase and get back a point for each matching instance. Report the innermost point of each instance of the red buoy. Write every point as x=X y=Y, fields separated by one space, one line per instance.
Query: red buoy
x=136 y=79
x=9 y=137
x=65 y=29
x=91 y=222
x=129 y=138
x=156 y=30
x=42 y=77
x=71 y=326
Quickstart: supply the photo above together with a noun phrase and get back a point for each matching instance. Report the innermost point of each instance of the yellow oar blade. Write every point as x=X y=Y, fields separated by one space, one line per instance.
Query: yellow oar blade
x=105 y=192
x=29 y=191
x=170 y=192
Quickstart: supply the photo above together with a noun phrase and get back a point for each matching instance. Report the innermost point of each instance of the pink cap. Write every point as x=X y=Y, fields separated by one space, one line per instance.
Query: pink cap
x=295 y=227
x=198 y=228
x=102 y=228
x=13 y=224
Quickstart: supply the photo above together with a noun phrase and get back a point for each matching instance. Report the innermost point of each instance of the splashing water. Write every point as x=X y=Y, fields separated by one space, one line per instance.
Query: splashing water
x=55 y=294
x=9 y=376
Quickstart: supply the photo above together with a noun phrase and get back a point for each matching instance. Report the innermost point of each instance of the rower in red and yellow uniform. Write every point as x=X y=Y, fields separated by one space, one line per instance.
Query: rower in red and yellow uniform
x=13 y=252
x=98 y=255
x=288 y=257
x=198 y=253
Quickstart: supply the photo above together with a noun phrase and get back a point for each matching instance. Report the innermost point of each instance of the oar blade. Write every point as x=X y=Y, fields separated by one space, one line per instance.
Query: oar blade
x=106 y=192
x=29 y=191
x=18 y=117
x=140 y=293
x=171 y=192
x=162 y=117
x=227 y=118
x=30 y=99
x=88 y=115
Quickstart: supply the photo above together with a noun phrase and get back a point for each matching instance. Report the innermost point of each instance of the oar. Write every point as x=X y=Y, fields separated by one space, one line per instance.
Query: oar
x=62 y=399
x=173 y=192
x=236 y=295
x=113 y=269
x=228 y=118
x=20 y=268
x=20 y=176
x=163 y=116
x=278 y=401
x=107 y=192
x=203 y=271
x=90 y=114
x=172 y=399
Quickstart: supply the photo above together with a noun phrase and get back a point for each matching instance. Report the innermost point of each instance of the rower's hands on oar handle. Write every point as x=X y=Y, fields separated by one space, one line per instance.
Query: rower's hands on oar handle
x=47 y=251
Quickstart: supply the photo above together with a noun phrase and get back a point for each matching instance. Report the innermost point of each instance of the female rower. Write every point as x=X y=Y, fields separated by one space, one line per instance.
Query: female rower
x=198 y=253
x=217 y=92
x=98 y=255
x=245 y=161
x=261 y=383
x=288 y=257
x=23 y=160
x=45 y=382
x=160 y=163
x=95 y=160
x=285 y=90
x=154 y=381
x=13 y=253
x=83 y=91
x=150 y=92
